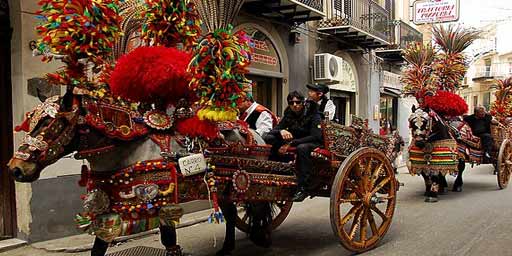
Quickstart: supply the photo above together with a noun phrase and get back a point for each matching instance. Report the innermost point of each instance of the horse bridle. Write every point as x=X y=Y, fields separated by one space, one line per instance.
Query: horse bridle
x=51 y=139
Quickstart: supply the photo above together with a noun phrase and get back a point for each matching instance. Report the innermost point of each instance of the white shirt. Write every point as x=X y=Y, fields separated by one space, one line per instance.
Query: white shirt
x=263 y=123
x=329 y=107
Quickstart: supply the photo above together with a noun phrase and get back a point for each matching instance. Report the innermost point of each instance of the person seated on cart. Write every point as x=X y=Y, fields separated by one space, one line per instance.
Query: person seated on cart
x=257 y=116
x=317 y=93
x=480 y=123
x=299 y=128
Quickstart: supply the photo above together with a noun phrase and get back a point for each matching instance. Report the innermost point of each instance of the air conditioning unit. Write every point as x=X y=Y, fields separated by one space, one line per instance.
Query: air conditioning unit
x=328 y=68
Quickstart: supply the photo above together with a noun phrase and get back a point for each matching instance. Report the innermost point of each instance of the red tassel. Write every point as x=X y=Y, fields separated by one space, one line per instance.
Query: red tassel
x=23 y=126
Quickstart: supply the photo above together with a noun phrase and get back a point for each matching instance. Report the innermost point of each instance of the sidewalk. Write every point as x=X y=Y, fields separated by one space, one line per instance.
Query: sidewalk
x=83 y=242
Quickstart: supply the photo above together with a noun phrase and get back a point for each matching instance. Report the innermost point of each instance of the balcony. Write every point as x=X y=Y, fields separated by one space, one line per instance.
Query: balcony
x=495 y=71
x=402 y=34
x=287 y=11
x=362 y=23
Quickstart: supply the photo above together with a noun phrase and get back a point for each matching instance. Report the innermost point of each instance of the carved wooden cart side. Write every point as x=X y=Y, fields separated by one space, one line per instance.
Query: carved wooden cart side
x=352 y=168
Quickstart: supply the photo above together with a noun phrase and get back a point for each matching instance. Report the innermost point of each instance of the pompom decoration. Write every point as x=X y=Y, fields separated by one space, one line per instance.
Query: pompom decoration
x=218 y=70
x=169 y=22
x=501 y=108
x=193 y=127
x=79 y=28
x=446 y=104
x=151 y=75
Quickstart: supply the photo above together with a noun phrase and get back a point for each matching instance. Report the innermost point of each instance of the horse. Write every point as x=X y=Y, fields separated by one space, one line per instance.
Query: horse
x=110 y=141
x=428 y=130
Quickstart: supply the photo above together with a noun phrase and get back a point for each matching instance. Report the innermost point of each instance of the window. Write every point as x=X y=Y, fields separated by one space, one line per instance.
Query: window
x=487 y=67
x=475 y=101
x=486 y=101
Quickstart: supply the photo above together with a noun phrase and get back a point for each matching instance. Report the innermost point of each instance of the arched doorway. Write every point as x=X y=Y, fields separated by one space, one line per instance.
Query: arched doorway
x=7 y=198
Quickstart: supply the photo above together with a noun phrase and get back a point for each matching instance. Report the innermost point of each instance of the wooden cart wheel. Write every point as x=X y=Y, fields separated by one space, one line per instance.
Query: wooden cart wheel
x=281 y=209
x=363 y=199
x=504 y=163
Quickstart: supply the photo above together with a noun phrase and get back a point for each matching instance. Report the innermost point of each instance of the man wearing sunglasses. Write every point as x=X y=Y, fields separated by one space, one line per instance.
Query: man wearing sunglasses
x=317 y=93
x=299 y=128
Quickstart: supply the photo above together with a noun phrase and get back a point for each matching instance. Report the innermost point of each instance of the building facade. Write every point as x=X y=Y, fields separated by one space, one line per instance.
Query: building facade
x=491 y=60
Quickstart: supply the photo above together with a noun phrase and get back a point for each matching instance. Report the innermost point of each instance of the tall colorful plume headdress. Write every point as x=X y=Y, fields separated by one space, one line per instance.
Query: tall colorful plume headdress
x=450 y=65
x=77 y=30
x=221 y=61
x=169 y=22
x=501 y=108
x=438 y=70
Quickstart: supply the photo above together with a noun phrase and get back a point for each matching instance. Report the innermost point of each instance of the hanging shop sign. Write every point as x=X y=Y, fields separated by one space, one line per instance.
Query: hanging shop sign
x=435 y=11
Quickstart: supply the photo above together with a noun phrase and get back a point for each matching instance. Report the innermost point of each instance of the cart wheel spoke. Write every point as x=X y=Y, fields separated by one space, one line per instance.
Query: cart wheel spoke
x=355 y=224
x=373 y=225
x=351 y=200
x=362 y=225
x=376 y=174
x=379 y=212
x=350 y=214
x=381 y=185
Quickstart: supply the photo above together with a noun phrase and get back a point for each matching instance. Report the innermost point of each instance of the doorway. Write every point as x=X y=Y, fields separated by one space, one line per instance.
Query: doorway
x=262 y=90
x=7 y=197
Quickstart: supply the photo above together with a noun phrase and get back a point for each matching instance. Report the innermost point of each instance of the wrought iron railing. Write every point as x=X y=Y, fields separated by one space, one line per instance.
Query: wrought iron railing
x=365 y=15
x=403 y=34
x=314 y=4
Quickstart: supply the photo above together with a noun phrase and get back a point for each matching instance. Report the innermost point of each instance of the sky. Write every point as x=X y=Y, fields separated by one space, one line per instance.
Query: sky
x=480 y=12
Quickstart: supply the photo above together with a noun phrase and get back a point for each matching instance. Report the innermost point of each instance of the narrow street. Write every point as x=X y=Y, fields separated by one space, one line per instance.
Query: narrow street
x=474 y=222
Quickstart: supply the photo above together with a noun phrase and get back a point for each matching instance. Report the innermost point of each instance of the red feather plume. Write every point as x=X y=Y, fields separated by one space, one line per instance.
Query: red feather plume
x=152 y=75
x=447 y=104
x=193 y=127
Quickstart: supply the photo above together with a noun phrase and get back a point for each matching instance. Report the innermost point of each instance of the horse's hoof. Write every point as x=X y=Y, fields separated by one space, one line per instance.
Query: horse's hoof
x=457 y=189
x=223 y=252
x=430 y=199
x=175 y=251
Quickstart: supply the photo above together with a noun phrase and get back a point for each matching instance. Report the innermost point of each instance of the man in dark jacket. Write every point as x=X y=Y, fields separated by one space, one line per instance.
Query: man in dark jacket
x=299 y=128
x=480 y=123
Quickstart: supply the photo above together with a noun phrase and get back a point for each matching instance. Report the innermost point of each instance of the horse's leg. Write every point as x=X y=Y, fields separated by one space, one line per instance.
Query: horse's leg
x=434 y=188
x=99 y=247
x=260 y=215
x=457 y=186
x=230 y=213
x=443 y=185
x=428 y=183
x=169 y=217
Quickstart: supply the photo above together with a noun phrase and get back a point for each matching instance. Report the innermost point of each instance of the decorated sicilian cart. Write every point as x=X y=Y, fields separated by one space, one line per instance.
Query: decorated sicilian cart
x=153 y=111
x=442 y=141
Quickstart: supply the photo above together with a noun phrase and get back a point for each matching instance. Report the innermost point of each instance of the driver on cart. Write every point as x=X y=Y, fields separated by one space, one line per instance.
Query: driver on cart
x=299 y=128
x=257 y=116
x=480 y=123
